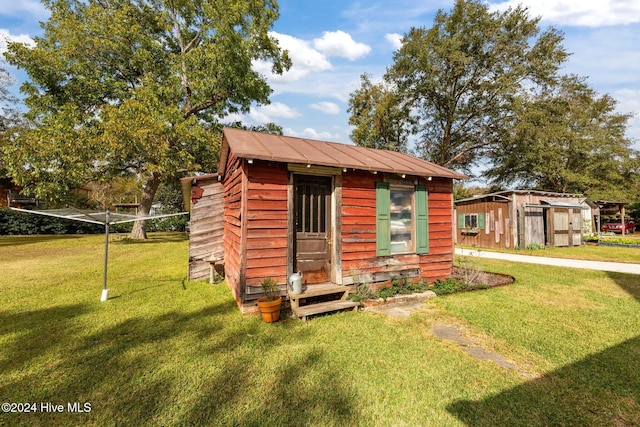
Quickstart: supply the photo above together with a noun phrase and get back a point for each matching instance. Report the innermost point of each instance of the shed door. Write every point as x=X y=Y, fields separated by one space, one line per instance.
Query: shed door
x=313 y=227
x=567 y=227
x=562 y=229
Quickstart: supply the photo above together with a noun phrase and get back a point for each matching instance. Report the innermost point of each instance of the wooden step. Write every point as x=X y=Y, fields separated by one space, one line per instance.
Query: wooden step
x=319 y=289
x=324 y=307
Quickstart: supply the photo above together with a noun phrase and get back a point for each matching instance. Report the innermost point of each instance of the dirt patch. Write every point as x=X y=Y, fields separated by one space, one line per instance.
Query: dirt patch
x=455 y=334
x=476 y=278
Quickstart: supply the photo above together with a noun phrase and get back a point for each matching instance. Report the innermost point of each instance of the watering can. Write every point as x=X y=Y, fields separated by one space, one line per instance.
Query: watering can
x=295 y=283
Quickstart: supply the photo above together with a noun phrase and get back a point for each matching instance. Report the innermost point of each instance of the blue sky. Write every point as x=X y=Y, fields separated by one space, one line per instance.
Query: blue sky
x=333 y=42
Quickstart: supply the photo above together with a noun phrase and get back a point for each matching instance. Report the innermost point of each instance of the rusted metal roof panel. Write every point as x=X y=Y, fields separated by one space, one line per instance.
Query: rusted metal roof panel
x=286 y=149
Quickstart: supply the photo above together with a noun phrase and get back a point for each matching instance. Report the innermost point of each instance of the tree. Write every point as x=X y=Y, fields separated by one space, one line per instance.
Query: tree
x=137 y=87
x=9 y=116
x=567 y=139
x=380 y=117
x=460 y=77
x=270 y=127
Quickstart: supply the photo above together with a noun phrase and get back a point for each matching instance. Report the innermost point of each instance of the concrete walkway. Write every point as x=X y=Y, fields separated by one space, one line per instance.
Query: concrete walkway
x=618 y=267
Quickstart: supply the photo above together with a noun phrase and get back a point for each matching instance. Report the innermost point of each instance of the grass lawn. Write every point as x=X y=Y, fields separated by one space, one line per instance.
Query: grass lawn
x=165 y=351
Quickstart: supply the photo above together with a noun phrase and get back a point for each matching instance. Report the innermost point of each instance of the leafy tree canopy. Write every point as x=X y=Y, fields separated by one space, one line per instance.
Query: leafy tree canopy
x=568 y=139
x=460 y=77
x=136 y=87
x=9 y=116
x=381 y=119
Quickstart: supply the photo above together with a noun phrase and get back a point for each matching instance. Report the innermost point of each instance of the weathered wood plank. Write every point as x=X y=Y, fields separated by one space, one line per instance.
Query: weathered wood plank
x=325 y=307
x=266 y=244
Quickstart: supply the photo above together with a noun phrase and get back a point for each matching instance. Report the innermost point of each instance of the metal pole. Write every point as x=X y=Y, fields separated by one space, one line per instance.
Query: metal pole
x=105 y=291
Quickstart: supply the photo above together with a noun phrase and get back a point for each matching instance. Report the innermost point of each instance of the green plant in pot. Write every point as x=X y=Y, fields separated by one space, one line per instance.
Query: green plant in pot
x=269 y=304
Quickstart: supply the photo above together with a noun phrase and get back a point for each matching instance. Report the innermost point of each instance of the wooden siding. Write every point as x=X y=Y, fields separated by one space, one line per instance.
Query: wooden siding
x=266 y=233
x=206 y=228
x=498 y=229
x=438 y=263
x=233 y=206
x=359 y=232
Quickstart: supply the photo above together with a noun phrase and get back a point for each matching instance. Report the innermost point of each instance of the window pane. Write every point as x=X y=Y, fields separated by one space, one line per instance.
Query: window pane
x=401 y=220
x=471 y=221
x=299 y=210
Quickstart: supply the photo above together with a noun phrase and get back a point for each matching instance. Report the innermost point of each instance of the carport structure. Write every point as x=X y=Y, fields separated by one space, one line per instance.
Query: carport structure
x=608 y=208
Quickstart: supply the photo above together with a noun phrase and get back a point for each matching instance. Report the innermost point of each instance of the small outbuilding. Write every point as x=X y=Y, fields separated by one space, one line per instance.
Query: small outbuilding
x=337 y=213
x=520 y=218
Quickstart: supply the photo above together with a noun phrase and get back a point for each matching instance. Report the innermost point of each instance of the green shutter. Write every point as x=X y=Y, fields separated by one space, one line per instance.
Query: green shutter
x=383 y=219
x=481 y=221
x=422 y=220
x=460 y=220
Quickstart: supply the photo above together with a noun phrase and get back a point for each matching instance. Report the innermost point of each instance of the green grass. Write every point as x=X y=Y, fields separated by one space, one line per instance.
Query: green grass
x=165 y=351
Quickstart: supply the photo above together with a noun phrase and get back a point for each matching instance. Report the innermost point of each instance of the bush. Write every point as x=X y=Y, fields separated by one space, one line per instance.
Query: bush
x=401 y=286
x=21 y=223
x=171 y=223
x=449 y=286
x=612 y=240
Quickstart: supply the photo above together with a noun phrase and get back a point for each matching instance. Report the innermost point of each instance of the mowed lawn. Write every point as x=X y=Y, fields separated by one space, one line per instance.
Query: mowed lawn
x=165 y=351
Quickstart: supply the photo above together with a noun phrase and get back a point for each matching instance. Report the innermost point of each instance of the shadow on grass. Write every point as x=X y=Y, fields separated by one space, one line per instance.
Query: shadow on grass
x=602 y=389
x=36 y=239
x=37 y=331
x=629 y=282
x=206 y=367
x=154 y=238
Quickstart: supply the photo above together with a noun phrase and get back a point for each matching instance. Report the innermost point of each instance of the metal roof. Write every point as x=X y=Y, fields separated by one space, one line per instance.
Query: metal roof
x=561 y=204
x=286 y=149
x=507 y=193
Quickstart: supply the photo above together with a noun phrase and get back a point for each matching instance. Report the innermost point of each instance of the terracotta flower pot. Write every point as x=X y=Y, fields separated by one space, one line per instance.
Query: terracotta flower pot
x=270 y=310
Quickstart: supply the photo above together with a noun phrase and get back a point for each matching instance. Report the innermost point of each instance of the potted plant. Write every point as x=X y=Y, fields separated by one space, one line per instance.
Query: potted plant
x=269 y=304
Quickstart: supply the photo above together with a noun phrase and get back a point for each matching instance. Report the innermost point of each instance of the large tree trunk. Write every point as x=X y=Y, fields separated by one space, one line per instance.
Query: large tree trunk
x=139 y=230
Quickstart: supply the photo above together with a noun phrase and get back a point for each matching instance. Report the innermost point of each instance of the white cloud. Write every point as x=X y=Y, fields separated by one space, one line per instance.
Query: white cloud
x=588 y=13
x=267 y=113
x=629 y=103
x=304 y=58
x=395 y=39
x=311 y=133
x=339 y=43
x=6 y=37
x=326 y=107
x=21 y=8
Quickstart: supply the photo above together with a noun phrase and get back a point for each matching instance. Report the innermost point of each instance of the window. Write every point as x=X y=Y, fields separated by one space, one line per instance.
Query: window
x=401 y=219
x=312 y=205
x=401 y=228
x=473 y=221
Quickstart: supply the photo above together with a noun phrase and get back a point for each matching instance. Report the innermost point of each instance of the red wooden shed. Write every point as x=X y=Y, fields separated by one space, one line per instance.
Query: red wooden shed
x=334 y=212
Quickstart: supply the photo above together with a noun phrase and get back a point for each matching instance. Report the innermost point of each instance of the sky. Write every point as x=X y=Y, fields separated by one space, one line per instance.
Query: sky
x=333 y=42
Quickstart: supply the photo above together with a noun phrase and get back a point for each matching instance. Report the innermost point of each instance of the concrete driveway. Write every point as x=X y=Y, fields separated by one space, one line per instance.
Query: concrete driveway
x=617 y=267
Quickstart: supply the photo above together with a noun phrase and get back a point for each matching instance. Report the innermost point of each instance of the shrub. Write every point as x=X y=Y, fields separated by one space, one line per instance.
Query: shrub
x=401 y=286
x=449 y=286
x=362 y=292
x=21 y=223
x=271 y=289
